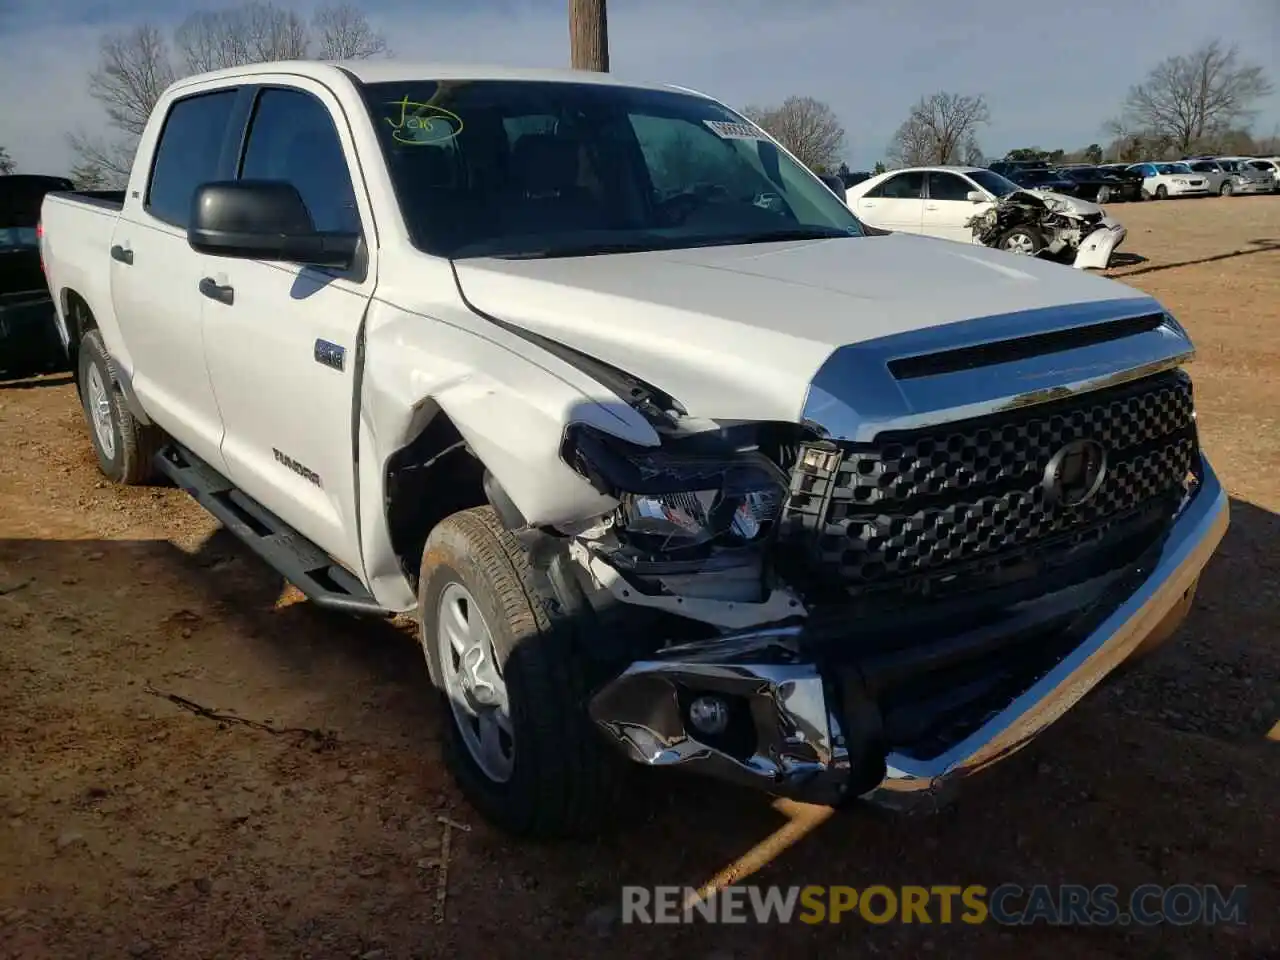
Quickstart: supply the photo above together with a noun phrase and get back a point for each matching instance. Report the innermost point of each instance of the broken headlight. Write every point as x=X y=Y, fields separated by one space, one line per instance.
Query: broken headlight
x=684 y=498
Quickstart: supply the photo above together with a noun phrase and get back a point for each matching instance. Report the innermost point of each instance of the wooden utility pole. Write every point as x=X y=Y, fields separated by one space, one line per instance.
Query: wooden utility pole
x=588 y=35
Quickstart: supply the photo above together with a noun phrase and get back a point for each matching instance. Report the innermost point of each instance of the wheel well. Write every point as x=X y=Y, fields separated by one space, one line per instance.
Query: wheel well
x=79 y=319
x=432 y=477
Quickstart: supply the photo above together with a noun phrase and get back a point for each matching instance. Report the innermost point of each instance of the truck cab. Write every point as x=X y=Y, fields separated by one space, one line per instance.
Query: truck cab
x=671 y=457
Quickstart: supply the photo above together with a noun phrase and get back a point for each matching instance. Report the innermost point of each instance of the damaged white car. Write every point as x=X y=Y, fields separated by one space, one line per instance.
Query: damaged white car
x=976 y=205
x=670 y=456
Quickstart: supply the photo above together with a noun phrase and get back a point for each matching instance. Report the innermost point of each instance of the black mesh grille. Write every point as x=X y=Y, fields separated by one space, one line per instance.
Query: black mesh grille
x=923 y=501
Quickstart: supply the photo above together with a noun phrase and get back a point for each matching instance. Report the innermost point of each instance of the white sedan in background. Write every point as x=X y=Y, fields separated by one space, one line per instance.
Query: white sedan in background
x=1163 y=180
x=942 y=201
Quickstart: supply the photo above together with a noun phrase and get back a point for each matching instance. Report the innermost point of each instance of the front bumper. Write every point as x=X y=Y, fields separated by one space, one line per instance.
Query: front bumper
x=1096 y=249
x=1175 y=190
x=813 y=733
x=1253 y=186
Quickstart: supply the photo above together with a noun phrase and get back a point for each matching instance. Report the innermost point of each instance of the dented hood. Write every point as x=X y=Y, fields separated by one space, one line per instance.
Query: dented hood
x=739 y=331
x=1065 y=205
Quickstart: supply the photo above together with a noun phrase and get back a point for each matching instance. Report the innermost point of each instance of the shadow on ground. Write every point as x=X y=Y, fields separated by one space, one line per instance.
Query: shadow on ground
x=1163 y=776
x=1263 y=245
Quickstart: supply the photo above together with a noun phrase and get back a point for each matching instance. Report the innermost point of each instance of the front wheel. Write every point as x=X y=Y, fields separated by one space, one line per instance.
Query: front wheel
x=1026 y=241
x=1226 y=189
x=1162 y=192
x=518 y=738
x=1104 y=194
x=125 y=446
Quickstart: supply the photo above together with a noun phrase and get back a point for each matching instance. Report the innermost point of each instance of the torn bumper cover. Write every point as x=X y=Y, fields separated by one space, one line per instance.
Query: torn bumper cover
x=819 y=728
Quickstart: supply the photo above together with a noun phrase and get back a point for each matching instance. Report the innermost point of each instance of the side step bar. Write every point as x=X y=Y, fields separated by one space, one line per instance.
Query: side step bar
x=288 y=552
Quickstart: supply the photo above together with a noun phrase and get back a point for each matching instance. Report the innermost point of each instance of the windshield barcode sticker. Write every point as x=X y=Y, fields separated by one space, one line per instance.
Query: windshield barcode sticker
x=733 y=131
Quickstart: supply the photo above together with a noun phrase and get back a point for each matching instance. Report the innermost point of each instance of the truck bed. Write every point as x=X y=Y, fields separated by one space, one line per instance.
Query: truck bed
x=109 y=199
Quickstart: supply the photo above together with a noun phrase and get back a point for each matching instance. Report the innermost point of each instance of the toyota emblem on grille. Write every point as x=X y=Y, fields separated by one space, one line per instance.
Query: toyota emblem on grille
x=1075 y=473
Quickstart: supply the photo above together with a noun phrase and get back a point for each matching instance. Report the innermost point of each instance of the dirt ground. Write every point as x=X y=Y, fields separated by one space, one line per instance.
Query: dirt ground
x=134 y=824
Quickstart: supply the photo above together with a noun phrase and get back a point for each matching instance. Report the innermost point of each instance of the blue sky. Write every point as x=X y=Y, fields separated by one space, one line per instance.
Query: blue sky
x=1052 y=72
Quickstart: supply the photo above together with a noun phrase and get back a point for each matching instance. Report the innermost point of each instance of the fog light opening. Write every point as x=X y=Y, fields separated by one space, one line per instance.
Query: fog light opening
x=709 y=715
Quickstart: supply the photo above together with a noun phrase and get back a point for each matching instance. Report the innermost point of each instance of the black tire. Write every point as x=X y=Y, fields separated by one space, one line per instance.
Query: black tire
x=564 y=780
x=134 y=444
x=1226 y=189
x=1030 y=234
x=1162 y=192
x=1104 y=195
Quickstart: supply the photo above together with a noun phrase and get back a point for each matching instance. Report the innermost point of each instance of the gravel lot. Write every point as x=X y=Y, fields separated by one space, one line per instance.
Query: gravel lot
x=132 y=824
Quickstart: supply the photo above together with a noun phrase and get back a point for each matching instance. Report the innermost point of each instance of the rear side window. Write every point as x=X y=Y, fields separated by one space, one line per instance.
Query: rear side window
x=188 y=153
x=292 y=138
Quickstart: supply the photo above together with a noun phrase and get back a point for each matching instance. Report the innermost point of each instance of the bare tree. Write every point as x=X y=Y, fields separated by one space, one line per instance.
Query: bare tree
x=807 y=127
x=343 y=32
x=941 y=129
x=251 y=33
x=134 y=69
x=88 y=175
x=7 y=163
x=589 y=35
x=1187 y=97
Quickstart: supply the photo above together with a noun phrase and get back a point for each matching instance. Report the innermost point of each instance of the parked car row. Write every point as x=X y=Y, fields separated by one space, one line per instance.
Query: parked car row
x=1148 y=180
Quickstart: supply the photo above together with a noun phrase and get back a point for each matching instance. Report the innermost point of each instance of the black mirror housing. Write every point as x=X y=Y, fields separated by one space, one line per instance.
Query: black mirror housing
x=263 y=220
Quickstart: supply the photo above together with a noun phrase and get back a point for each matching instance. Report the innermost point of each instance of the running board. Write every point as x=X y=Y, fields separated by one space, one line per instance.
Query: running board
x=288 y=552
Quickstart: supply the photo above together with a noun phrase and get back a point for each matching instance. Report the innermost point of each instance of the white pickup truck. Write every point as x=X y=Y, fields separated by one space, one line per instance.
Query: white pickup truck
x=667 y=451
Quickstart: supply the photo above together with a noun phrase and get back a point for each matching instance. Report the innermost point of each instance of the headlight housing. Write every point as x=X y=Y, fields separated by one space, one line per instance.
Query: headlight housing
x=685 y=498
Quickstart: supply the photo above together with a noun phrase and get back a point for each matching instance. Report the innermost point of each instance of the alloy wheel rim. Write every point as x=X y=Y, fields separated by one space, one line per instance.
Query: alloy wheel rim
x=1019 y=243
x=100 y=411
x=474 y=684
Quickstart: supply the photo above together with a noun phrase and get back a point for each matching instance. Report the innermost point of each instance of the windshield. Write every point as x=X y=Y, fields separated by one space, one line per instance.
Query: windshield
x=992 y=182
x=545 y=168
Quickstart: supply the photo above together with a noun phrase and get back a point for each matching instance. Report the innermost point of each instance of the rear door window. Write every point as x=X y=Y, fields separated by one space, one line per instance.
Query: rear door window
x=188 y=153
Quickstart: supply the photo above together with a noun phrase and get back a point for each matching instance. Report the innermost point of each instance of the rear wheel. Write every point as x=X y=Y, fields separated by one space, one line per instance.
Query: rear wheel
x=1024 y=240
x=518 y=738
x=124 y=445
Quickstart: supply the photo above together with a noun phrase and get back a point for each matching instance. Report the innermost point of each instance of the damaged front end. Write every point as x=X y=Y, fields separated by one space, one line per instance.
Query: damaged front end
x=1060 y=225
x=862 y=610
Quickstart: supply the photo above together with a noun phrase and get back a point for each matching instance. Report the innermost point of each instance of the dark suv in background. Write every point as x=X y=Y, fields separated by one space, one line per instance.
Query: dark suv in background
x=29 y=340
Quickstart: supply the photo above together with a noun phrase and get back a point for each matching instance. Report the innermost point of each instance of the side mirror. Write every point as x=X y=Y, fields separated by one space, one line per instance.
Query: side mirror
x=263 y=220
x=975 y=196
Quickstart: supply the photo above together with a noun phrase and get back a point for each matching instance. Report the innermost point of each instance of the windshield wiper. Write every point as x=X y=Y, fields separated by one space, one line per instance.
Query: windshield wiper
x=774 y=236
x=593 y=249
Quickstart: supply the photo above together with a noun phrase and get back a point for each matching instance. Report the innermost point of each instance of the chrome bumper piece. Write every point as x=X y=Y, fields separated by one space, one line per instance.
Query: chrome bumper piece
x=799 y=744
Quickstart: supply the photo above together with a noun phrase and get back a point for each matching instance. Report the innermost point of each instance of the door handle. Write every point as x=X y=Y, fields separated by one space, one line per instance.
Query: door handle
x=931 y=206
x=122 y=254
x=867 y=203
x=222 y=292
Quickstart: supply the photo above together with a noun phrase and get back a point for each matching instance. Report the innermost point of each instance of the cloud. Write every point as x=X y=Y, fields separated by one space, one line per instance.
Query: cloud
x=1052 y=73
